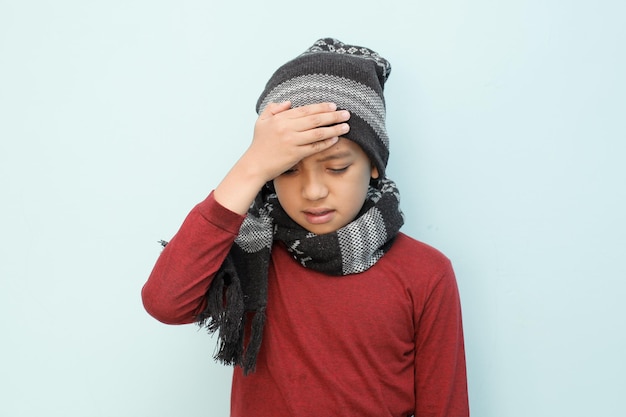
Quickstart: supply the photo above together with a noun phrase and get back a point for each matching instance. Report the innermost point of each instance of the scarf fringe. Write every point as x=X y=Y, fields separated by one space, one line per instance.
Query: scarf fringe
x=224 y=314
x=254 y=344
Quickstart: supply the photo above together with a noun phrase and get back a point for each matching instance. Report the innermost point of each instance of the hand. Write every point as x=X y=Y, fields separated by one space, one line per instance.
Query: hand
x=283 y=136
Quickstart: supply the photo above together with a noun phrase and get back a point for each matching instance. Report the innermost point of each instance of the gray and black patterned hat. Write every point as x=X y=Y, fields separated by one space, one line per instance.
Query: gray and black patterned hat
x=351 y=76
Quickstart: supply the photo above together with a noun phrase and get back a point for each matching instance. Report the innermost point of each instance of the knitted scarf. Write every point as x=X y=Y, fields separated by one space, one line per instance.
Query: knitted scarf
x=238 y=292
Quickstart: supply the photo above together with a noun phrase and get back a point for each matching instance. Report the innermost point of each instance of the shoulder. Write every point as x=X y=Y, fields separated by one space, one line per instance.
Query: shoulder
x=414 y=253
x=415 y=263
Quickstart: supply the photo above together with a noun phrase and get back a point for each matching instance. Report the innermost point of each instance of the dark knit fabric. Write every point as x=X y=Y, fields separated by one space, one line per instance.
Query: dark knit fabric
x=351 y=76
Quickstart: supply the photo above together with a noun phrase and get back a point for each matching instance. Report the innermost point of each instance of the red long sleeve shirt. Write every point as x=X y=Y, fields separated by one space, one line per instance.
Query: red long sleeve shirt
x=385 y=342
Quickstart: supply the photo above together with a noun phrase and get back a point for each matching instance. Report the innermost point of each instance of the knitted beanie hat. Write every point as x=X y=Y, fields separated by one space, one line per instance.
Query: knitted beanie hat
x=351 y=76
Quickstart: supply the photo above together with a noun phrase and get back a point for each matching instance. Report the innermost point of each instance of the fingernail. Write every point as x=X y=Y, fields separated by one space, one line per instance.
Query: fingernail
x=345 y=127
x=332 y=106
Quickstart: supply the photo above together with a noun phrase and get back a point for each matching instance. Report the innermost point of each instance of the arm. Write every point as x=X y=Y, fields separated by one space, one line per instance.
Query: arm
x=174 y=292
x=440 y=374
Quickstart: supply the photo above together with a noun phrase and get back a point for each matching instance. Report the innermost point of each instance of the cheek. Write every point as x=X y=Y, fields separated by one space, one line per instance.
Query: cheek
x=284 y=190
x=281 y=184
x=358 y=186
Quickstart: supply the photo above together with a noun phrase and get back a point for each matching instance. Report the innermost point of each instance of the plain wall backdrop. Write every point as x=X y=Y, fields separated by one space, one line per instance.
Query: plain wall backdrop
x=507 y=142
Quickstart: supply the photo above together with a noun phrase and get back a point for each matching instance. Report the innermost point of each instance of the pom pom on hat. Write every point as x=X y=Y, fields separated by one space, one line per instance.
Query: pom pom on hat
x=351 y=76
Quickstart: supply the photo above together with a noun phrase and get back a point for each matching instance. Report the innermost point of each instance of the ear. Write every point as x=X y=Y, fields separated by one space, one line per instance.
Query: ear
x=374 y=174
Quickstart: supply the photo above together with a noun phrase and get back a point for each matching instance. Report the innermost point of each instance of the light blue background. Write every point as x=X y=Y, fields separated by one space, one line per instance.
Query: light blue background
x=508 y=142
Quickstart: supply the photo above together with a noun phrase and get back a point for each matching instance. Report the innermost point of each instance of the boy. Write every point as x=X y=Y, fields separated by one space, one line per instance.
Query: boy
x=296 y=260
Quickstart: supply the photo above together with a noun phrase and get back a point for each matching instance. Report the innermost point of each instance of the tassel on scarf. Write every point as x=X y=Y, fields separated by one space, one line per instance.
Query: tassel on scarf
x=224 y=314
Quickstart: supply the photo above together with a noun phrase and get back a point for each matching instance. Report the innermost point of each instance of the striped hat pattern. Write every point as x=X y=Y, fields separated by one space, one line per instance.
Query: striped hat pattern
x=351 y=76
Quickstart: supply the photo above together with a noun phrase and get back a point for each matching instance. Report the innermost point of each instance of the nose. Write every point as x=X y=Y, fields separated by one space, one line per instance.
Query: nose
x=313 y=186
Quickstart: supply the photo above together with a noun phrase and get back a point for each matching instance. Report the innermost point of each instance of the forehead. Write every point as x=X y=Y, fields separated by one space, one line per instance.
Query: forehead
x=344 y=148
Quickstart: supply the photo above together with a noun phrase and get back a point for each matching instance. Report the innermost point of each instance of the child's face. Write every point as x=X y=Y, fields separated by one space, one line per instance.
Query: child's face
x=325 y=191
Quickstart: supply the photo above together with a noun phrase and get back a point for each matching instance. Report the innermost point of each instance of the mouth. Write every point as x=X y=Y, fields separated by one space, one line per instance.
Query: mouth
x=319 y=216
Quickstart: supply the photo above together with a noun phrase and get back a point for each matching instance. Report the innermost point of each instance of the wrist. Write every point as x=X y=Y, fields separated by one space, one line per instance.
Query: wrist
x=239 y=187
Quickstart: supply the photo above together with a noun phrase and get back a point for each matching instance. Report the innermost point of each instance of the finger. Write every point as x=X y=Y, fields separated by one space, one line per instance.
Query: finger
x=320 y=120
x=320 y=145
x=273 y=109
x=322 y=133
x=311 y=109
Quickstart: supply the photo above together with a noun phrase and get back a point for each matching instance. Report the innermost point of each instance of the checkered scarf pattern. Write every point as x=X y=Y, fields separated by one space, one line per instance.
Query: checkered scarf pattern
x=239 y=291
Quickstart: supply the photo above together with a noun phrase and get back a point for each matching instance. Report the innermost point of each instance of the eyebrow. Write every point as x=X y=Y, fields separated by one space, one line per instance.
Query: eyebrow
x=338 y=155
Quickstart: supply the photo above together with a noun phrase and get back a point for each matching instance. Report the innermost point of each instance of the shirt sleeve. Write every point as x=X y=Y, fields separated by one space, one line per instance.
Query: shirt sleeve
x=175 y=291
x=440 y=371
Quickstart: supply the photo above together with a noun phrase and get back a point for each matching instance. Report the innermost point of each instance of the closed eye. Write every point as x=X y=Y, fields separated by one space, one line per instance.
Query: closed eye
x=339 y=170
